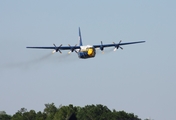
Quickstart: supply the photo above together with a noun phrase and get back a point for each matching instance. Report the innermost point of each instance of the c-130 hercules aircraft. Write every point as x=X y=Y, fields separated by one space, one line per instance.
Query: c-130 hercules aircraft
x=87 y=51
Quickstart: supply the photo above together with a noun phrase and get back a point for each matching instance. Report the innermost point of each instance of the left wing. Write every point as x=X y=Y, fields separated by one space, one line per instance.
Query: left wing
x=115 y=45
x=56 y=49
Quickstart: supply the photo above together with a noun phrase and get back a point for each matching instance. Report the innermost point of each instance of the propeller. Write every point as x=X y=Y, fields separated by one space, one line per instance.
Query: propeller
x=72 y=48
x=117 y=46
x=57 y=49
x=101 y=47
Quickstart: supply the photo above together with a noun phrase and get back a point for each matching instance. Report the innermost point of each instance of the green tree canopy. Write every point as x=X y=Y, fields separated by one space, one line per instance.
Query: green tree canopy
x=50 y=110
x=4 y=116
x=70 y=112
x=65 y=112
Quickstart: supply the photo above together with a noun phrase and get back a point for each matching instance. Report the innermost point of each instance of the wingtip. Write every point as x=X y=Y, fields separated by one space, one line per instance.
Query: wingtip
x=142 y=41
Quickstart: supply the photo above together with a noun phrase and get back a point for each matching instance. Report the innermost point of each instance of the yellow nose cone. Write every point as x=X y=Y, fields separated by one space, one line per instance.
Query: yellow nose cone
x=90 y=52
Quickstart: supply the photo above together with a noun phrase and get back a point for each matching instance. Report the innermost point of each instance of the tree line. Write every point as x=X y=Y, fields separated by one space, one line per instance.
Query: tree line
x=70 y=112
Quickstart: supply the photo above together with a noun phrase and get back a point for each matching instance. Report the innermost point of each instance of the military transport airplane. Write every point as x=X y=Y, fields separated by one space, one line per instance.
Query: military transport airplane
x=88 y=51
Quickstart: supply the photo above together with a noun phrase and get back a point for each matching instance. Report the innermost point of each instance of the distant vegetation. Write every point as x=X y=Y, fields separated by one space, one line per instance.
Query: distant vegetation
x=70 y=112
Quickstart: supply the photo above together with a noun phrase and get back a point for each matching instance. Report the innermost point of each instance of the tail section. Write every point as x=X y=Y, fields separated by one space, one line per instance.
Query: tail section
x=80 y=38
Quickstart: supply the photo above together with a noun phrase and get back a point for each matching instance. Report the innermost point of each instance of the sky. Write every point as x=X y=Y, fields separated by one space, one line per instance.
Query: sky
x=139 y=79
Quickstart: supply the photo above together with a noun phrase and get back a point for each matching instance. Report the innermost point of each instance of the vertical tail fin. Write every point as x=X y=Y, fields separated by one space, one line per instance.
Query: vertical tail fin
x=80 y=38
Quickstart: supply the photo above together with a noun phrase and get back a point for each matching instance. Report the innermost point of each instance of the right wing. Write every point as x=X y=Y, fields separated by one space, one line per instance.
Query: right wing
x=115 y=45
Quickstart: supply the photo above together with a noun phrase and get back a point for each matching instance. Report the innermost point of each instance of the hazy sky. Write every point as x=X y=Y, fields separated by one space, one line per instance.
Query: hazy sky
x=140 y=79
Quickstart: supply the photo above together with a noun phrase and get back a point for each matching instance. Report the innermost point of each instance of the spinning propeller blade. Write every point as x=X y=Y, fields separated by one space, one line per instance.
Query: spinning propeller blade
x=101 y=47
x=117 y=46
x=57 y=49
x=72 y=48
